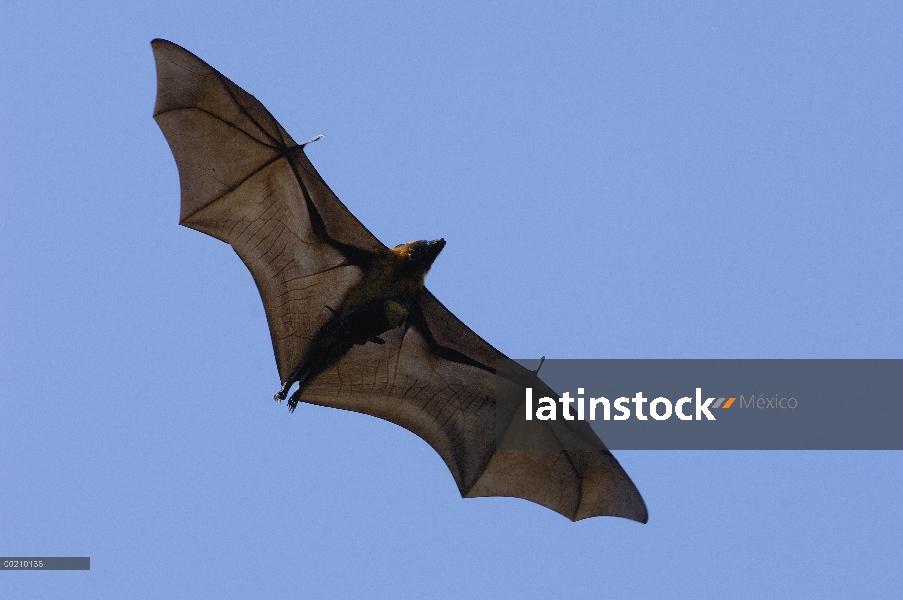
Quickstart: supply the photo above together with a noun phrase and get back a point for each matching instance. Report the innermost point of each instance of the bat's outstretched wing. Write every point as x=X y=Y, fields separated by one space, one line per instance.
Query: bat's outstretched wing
x=246 y=182
x=438 y=379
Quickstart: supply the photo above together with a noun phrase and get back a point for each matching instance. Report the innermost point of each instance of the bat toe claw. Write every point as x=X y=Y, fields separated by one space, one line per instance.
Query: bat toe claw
x=293 y=401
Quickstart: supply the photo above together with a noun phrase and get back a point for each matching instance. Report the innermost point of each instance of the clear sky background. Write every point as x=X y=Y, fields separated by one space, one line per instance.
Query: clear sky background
x=614 y=180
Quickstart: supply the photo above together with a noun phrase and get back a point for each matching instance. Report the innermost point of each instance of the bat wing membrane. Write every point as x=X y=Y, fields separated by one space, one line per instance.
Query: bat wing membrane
x=246 y=182
x=437 y=379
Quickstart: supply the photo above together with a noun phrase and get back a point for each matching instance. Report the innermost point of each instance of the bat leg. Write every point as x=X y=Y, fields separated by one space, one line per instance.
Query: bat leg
x=342 y=332
x=302 y=374
x=283 y=391
x=294 y=400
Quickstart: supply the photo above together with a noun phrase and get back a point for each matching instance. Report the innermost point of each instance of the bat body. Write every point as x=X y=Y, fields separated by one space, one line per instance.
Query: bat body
x=383 y=300
x=351 y=320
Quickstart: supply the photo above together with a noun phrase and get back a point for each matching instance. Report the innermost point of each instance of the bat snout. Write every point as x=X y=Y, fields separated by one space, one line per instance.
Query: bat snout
x=422 y=253
x=432 y=249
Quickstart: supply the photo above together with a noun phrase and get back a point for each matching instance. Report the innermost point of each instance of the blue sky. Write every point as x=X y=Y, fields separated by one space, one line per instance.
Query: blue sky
x=614 y=180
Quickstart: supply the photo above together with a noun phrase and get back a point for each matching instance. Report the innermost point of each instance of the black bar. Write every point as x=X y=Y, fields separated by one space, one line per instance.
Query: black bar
x=45 y=563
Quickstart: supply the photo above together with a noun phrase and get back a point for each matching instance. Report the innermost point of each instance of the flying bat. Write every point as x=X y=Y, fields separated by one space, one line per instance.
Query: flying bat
x=350 y=319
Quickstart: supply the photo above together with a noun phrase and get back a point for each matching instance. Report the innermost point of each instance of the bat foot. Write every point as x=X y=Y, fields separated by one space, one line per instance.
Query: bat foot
x=293 y=401
x=283 y=391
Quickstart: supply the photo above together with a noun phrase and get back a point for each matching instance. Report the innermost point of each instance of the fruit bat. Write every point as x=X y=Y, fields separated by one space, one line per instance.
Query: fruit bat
x=350 y=319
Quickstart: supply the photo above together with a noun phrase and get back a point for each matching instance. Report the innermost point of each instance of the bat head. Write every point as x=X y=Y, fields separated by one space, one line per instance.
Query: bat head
x=419 y=255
